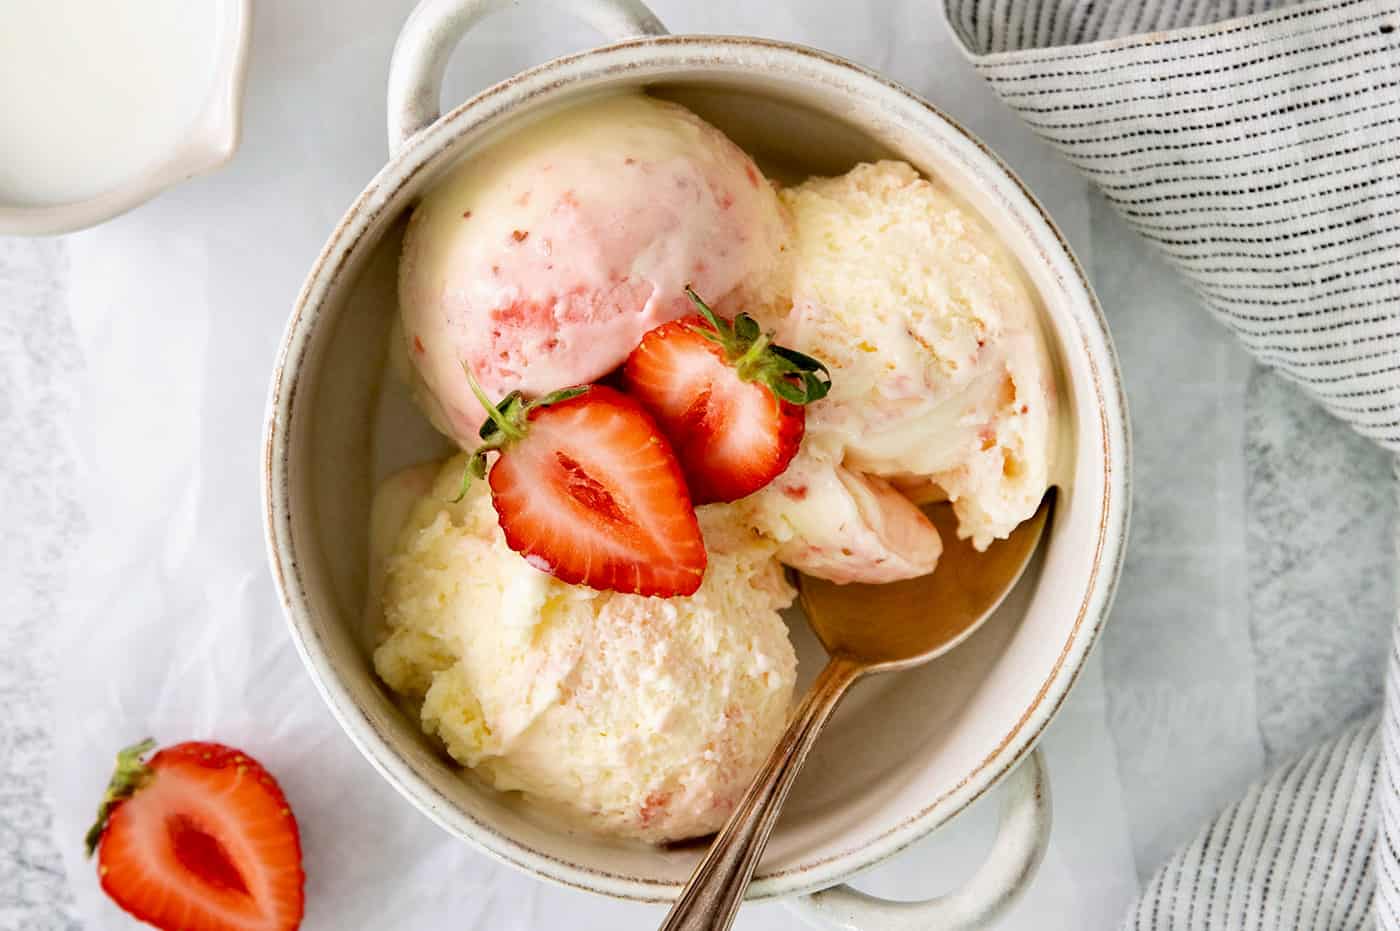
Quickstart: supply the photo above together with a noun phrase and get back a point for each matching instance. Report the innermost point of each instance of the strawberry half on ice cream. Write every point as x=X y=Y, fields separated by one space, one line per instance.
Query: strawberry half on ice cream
x=199 y=838
x=541 y=259
x=587 y=489
x=729 y=400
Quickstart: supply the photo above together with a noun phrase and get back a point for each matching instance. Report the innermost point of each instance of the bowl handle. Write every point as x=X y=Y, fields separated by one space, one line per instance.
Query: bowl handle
x=436 y=26
x=1021 y=838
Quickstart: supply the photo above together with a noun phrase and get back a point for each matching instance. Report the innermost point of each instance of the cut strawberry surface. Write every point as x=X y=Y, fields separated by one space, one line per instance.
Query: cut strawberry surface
x=728 y=399
x=200 y=838
x=587 y=489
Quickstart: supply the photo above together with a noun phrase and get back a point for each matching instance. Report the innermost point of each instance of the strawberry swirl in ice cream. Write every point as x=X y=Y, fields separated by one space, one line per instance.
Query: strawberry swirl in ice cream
x=541 y=261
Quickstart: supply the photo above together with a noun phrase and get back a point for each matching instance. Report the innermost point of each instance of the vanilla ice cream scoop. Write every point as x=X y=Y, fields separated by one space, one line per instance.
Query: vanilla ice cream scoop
x=940 y=380
x=631 y=716
x=542 y=260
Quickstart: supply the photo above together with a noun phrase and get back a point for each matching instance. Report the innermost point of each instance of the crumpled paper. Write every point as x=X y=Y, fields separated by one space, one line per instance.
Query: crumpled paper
x=174 y=629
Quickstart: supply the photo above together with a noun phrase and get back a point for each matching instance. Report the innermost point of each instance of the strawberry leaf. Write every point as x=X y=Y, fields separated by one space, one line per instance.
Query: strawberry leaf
x=505 y=423
x=504 y=417
x=556 y=397
x=709 y=334
x=465 y=486
x=720 y=327
x=793 y=394
x=475 y=469
x=817 y=386
x=130 y=775
x=746 y=327
x=508 y=411
x=793 y=376
x=755 y=359
x=801 y=360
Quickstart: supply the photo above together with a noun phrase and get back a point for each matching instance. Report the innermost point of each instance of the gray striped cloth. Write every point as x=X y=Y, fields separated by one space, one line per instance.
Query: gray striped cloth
x=1257 y=145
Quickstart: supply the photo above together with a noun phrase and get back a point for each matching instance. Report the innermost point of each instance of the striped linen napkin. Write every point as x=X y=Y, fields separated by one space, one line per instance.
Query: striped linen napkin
x=1257 y=145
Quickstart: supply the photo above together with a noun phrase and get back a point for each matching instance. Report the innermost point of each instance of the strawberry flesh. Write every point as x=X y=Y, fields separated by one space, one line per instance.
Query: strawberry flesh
x=201 y=853
x=592 y=493
x=732 y=436
x=202 y=840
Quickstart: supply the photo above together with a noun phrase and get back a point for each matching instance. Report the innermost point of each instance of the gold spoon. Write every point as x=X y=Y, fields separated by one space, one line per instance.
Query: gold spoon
x=865 y=629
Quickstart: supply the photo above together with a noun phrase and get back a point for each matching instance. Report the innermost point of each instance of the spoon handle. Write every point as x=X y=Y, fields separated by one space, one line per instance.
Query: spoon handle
x=711 y=898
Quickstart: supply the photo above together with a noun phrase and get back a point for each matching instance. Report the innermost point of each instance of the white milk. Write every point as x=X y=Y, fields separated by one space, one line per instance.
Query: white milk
x=95 y=92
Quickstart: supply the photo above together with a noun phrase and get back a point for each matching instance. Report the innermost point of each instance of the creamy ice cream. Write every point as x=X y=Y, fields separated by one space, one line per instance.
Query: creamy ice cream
x=541 y=261
x=940 y=379
x=641 y=717
x=839 y=524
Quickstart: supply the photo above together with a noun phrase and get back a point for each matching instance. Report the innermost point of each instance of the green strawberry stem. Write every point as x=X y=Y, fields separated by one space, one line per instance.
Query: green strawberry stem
x=505 y=424
x=719 y=326
x=749 y=363
x=130 y=775
x=511 y=430
x=789 y=374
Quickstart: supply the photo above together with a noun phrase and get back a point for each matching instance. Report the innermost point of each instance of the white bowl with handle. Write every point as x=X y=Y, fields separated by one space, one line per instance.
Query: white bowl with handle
x=906 y=752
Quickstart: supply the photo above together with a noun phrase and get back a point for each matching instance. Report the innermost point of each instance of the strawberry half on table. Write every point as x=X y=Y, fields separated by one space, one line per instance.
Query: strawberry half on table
x=199 y=838
x=729 y=400
x=587 y=489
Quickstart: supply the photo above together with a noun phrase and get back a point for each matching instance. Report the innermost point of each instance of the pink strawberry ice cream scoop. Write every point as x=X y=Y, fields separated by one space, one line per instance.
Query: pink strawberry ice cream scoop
x=541 y=261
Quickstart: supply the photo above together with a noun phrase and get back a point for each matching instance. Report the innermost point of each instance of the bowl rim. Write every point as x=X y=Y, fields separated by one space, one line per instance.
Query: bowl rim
x=695 y=53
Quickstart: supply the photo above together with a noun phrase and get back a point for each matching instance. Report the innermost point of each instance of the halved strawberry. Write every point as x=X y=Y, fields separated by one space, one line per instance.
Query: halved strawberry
x=200 y=838
x=588 y=490
x=727 y=398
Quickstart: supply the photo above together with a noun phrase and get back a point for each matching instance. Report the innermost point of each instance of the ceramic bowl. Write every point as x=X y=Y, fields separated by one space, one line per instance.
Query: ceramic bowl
x=907 y=751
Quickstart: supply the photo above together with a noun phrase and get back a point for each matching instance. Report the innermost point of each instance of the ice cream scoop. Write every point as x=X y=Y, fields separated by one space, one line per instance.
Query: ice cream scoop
x=940 y=379
x=542 y=260
x=628 y=715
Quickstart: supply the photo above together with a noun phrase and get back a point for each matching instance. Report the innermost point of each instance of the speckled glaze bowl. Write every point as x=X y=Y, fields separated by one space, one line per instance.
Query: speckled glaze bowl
x=906 y=752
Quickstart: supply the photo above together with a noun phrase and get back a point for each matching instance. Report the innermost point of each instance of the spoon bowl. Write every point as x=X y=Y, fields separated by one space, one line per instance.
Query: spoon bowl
x=865 y=629
x=901 y=624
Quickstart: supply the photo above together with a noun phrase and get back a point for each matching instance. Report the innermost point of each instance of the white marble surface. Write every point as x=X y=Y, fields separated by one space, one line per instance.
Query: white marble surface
x=40 y=523
x=1249 y=620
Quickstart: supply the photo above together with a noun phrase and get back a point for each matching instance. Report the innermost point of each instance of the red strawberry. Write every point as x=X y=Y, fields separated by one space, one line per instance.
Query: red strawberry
x=199 y=838
x=728 y=399
x=587 y=489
